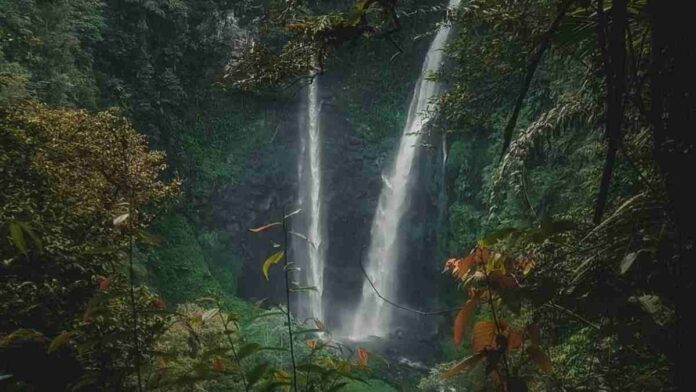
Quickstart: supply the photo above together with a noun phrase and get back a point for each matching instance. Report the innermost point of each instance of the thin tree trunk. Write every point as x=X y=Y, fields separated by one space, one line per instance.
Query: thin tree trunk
x=612 y=43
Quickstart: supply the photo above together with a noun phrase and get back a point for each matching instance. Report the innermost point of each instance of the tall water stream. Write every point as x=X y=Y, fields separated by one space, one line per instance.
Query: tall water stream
x=373 y=316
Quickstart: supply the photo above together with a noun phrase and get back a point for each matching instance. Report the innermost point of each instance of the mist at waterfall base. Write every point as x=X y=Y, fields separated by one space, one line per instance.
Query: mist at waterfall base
x=400 y=253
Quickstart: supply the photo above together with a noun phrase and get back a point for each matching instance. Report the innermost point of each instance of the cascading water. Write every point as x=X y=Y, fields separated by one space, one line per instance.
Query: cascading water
x=372 y=317
x=313 y=267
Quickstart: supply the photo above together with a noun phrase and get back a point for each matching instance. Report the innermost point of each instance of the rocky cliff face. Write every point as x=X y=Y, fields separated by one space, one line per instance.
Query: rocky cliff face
x=269 y=185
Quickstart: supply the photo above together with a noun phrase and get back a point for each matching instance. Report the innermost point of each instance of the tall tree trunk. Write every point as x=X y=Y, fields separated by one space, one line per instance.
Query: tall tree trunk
x=673 y=119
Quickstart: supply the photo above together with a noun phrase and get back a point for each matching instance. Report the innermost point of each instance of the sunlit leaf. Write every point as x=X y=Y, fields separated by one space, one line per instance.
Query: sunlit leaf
x=463 y=365
x=297 y=211
x=273 y=259
x=312 y=344
x=265 y=227
x=462 y=320
x=120 y=219
x=627 y=262
x=209 y=314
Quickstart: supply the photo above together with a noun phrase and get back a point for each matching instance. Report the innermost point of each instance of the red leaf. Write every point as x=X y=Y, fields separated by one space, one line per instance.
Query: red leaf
x=158 y=303
x=362 y=356
x=534 y=334
x=217 y=364
x=103 y=282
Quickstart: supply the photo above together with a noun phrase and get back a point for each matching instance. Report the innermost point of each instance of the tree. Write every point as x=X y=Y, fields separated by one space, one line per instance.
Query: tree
x=77 y=187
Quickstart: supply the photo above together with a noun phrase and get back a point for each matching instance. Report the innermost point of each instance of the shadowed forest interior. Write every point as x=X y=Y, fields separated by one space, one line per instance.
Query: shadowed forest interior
x=347 y=195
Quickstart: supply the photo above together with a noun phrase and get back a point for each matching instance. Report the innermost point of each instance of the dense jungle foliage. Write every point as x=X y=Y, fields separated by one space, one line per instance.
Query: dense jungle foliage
x=126 y=124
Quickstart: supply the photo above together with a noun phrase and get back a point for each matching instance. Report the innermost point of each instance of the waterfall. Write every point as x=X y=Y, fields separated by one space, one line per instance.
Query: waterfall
x=311 y=193
x=373 y=316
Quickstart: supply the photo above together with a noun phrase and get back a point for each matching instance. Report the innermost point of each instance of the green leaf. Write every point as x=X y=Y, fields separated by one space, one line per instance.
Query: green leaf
x=17 y=236
x=338 y=386
x=60 y=341
x=256 y=373
x=296 y=289
x=311 y=330
x=248 y=349
x=267 y=314
x=28 y=230
x=21 y=334
x=210 y=313
x=627 y=262
x=273 y=259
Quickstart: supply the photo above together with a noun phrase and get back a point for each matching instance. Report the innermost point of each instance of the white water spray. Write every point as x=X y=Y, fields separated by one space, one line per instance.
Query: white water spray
x=373 y=316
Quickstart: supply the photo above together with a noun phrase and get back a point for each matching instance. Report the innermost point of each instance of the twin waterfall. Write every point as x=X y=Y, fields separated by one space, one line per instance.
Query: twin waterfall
x=373 y=316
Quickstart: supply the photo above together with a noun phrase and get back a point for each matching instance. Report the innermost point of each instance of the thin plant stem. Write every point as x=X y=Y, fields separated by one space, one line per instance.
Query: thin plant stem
x=231 y=342
x=287 y=301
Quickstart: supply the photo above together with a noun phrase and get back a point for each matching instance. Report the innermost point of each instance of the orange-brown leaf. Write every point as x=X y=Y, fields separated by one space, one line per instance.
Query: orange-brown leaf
x=525 y=265
x=459 y=267
x=483 y=335
x=480 y=254
x=514 y=339
x=312 y=344
x=461 y=321
x=538 y=356
x=463 y=365
x=499 y=280
x=362 y=356
x=217 y=364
